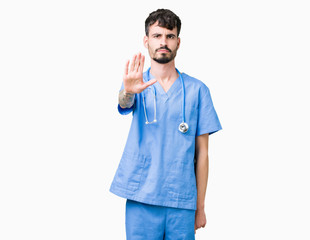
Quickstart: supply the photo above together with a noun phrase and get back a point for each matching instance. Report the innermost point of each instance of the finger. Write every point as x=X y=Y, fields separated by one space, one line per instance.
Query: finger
x=126 y=67
x=137 y=63
x=142 y=63
x=149 y=83
x=133 y=61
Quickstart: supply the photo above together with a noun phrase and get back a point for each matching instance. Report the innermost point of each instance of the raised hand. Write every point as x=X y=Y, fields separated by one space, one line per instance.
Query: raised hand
x=133 y=76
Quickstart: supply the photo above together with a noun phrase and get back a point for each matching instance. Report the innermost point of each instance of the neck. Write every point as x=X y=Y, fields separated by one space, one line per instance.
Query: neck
x=163 y=72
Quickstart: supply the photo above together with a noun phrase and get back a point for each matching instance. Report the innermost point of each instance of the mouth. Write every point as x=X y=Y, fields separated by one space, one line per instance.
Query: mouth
x=163 y=50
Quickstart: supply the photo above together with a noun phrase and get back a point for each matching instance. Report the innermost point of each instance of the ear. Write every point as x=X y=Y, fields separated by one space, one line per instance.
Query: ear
x=179 y=41
x=146 y=42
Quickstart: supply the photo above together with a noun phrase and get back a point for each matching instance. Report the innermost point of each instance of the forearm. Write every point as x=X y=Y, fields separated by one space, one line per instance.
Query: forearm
x=126 y=100
x=202 y=172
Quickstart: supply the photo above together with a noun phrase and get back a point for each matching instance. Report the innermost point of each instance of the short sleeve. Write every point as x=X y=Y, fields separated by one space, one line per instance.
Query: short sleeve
x=125 y=111
x=208 y=121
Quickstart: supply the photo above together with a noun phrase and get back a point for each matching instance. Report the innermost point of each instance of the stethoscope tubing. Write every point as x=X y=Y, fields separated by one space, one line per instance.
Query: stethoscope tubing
x=183 y=93
x=183 y=127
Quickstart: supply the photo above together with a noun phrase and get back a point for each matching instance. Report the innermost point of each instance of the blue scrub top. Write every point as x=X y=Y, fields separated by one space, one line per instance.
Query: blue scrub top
x=157 y=165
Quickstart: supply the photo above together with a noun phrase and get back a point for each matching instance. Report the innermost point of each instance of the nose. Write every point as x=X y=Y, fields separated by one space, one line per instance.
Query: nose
x=163 y=41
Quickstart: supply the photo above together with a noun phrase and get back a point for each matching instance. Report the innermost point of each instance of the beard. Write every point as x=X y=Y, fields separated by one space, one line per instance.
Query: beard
x=165 y=57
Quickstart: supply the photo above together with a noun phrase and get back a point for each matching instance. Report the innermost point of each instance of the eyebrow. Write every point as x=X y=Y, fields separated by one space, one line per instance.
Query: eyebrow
x=171 y=35
x=160 y=34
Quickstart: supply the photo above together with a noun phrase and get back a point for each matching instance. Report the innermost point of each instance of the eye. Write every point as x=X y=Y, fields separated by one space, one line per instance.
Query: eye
x=171 y=36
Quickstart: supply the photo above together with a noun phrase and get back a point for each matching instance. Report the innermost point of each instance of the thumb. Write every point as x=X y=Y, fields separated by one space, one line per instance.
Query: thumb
x=149 y=83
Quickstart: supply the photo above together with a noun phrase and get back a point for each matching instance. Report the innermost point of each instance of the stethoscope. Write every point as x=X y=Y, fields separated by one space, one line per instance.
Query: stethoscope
x=183 y=127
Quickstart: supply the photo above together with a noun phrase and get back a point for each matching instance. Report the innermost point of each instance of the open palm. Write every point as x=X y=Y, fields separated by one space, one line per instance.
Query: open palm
x=133 y=77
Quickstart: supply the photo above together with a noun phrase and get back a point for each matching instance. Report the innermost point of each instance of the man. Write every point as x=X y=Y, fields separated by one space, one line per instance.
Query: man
x=173 y=116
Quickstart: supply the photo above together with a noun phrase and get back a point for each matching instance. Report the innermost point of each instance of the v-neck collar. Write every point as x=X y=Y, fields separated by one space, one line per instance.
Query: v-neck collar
x=160 y=89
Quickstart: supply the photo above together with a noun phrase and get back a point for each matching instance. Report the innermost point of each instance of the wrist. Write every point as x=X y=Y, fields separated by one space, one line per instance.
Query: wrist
x=200 y=207
x=127 y=93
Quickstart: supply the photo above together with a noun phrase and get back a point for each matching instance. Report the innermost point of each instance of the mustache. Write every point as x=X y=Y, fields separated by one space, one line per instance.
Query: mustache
x=163 y=48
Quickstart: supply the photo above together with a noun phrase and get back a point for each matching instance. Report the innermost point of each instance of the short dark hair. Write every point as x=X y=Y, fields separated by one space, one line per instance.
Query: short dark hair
x=165 y=18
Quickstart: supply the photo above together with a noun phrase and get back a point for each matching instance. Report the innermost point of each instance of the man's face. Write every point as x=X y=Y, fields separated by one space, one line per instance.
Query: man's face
x=162 y=43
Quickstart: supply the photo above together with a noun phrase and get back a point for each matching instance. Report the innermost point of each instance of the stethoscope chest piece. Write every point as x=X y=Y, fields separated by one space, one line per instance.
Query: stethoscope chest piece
x=183 y=127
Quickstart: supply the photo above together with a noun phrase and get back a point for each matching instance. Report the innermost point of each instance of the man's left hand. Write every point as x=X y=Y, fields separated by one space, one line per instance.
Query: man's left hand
x=200 y=219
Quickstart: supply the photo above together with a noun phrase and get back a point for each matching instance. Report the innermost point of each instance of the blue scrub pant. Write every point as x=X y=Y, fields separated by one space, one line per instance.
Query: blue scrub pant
x=151 y=222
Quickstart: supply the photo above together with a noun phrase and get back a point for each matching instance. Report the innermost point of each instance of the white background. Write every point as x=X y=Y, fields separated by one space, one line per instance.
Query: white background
x=61 y=66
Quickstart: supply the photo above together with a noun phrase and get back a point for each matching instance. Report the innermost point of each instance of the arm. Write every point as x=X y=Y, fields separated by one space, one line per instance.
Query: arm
x=125 y=100
x=202 y=170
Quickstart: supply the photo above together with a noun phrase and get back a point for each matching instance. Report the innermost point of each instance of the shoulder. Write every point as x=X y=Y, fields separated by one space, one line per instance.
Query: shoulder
x=195 y=84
